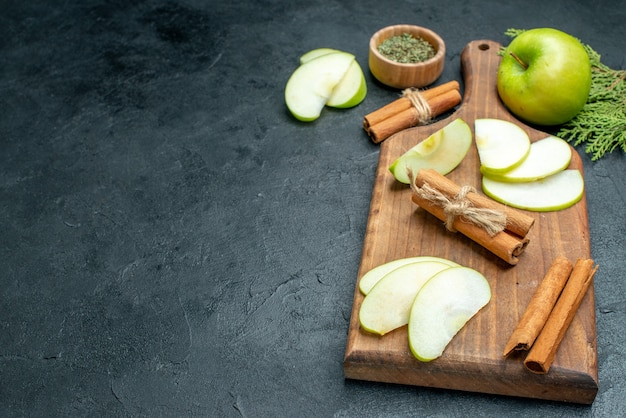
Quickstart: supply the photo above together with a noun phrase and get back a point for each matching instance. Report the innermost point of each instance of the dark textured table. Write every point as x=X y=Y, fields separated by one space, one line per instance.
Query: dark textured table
x=174 y=243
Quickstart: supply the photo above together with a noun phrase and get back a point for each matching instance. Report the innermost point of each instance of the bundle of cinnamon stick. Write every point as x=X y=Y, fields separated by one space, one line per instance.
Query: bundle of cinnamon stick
x=500 y=229
x=550 y=312
x=415 y=107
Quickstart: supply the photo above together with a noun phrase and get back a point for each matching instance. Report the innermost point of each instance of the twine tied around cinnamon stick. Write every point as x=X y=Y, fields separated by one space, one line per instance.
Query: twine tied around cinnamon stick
x=491 y=220
x=414 y=107
x=510 y=226
x=421 y=105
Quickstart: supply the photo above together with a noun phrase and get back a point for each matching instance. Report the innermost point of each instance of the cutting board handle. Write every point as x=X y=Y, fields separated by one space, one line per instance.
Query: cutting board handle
x=479 y=64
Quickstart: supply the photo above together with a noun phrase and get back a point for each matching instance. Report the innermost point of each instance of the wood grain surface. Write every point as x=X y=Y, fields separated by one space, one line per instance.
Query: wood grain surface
x=473 y=361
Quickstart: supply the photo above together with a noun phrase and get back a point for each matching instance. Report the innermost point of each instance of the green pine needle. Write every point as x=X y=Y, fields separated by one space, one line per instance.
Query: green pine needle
x=601 y=124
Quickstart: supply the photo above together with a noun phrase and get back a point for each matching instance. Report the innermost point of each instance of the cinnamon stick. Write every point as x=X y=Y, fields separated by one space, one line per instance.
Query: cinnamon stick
x=540 y=306
x=412 y=117
x=404 y=103
x=517 y=222
x=544 y=349
x=444 y=102
x=396 y=123
x=385 y=112
x=403 y=113
x=504 y=245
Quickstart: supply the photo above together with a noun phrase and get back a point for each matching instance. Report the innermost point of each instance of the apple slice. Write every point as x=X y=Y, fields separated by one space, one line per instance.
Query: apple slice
x=373 y=276
x=546 y=157
x=443 y=306
x=315 y=53
x=387 y=306
x=442 y=151
x=313 y=82
x=555 y=192
x=502 y=145
x=351 y=90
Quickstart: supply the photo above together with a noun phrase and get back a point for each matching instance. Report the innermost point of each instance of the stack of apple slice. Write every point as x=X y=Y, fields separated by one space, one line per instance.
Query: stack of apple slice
x=325 y=77
x=524 y=175
x=434 y=296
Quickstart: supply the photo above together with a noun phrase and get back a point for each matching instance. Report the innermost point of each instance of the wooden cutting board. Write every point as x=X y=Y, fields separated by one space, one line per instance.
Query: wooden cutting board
x=473 y=361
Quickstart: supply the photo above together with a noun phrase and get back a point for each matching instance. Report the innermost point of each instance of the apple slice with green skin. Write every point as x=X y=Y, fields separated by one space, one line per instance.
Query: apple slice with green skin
x=387 y=306
x=352 y=88
x=315 y=53
x=313 y=82
x=502 y=145
x=546 y=157
x=443 y=306
x=373 y=276
x=442 y=151
x=555 y=192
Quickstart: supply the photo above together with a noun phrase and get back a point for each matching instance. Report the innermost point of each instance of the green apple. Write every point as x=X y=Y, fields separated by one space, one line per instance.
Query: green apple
x=544 y=76
x=373 y=276
x=312 y=83
x=442 y=151
x=501 y=145
x=546 y=157
x=555 y=192
x=387 y=306
x=442 y=307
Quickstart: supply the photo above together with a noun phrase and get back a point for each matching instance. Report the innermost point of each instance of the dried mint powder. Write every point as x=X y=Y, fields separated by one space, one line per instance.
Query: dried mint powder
x=406 y=49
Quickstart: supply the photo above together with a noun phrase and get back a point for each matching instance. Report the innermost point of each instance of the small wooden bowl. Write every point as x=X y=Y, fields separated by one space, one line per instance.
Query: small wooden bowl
x=401 y=76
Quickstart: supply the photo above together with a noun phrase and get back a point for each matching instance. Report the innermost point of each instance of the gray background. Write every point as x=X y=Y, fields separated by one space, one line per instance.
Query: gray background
x=174 y=243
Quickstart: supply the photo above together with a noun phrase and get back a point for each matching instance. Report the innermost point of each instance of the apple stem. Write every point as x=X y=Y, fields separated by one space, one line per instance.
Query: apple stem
x=518 y=59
